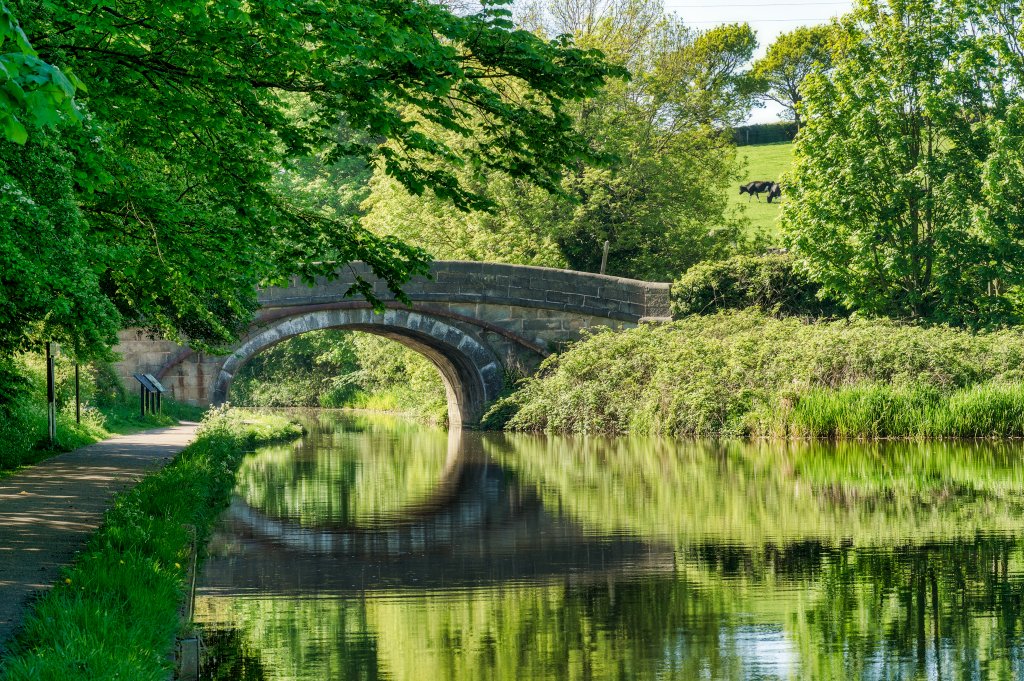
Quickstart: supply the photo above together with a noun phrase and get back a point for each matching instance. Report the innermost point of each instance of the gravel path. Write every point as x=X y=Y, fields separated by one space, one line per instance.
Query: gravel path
x=49 y=511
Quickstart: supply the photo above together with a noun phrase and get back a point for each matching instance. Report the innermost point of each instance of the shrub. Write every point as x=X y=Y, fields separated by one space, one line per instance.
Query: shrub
x=770 y=283
x=746 y=373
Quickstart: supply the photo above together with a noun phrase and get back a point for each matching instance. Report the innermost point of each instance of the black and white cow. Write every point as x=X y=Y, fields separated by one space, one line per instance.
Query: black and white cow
x=756 y=188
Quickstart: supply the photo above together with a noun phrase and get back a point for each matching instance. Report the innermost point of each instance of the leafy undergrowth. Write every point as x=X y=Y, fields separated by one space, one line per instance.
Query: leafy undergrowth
x=107 y=409
x=114 y=613
x=747 y=374
x=23 y=434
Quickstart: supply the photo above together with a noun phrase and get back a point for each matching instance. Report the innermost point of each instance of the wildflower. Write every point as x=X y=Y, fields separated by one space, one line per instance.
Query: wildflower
x=67 y=580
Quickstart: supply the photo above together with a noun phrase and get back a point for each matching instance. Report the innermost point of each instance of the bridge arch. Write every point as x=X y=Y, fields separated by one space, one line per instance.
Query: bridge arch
x=475 y=321
x=471 y=373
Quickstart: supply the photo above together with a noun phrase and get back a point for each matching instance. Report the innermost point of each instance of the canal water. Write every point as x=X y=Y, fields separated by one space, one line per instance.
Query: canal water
x=376 y=548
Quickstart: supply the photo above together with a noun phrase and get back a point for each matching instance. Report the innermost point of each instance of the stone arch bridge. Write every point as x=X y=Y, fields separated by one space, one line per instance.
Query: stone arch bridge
x=474 y=321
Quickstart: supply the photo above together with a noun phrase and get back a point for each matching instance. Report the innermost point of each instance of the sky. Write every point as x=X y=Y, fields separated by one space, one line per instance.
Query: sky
x=769 y=19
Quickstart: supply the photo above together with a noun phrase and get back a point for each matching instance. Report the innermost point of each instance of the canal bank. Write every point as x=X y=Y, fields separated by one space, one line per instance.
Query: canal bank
x=748 y=374
x=113 y=613
x=48 y=511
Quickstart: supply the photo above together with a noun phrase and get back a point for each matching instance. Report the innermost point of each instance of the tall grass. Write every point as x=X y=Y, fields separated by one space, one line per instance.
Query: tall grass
x=881 y=411
x=425 y=406
x=747 y=374
x=114 y=613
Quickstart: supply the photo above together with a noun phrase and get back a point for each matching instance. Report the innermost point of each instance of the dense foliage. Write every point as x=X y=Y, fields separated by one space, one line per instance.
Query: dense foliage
x=905 y=194
x=115 y=613
x=772 y=283
x=163 y=200
x=749 y=374
x=661 y=199
x=32 y=92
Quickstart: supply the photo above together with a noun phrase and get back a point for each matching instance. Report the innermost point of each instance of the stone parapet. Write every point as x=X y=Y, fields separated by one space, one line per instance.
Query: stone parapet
x=469 y=283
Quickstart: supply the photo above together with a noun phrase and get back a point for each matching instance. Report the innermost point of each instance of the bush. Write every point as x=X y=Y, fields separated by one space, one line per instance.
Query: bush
x=109 y=390
x=770 y=283
x=746 y=373
x=764 y=133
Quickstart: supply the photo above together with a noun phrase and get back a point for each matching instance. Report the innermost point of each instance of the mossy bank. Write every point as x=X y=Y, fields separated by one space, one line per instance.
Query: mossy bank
x=114 y=613
x=749 y=374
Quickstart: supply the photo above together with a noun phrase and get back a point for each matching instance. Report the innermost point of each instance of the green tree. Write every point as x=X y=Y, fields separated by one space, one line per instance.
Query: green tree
x=779 y=74
x=659 y=198
x=30 y=89
x=49 y=271
x=196 y=113
x=902 y=193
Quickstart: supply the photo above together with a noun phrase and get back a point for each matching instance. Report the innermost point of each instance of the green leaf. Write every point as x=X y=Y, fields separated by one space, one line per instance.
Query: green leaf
x=13 y=130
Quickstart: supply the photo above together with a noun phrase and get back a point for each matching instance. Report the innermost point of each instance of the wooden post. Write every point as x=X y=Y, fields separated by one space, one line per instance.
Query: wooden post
x=78 y=397
x=51 y=395
x=604 y=257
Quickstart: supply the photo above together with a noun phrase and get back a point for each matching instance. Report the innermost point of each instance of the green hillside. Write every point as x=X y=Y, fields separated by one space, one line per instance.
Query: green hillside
x=763 y=162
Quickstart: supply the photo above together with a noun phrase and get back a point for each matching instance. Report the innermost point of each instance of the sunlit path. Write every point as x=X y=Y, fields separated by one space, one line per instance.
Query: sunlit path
x=48 y=511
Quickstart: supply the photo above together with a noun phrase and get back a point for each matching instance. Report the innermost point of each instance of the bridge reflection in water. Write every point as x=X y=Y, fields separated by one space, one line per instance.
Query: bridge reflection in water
x=480 y=527
x=381 y=550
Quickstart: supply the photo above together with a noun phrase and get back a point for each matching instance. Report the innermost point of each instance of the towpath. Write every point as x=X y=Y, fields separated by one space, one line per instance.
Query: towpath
x=48 y=511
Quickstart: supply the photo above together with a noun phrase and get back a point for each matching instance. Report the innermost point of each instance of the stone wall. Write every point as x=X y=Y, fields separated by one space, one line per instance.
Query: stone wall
x=454 y=281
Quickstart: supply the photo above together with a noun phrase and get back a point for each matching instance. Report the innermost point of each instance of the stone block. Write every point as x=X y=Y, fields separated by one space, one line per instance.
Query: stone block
x=533 y=325
x=466 y=309
x=495 y=313
x=495 y=293
x=525 y=295
x=572 y=299
x=520 y=281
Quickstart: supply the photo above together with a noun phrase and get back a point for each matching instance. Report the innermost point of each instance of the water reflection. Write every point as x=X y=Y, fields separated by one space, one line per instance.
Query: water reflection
x=377 y=549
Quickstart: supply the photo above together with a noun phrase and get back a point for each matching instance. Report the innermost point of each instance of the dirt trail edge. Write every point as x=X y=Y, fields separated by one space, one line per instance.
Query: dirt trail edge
x=49 y=511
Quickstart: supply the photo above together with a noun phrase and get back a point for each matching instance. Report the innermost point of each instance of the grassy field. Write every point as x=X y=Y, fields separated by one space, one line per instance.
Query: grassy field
x=763 y=162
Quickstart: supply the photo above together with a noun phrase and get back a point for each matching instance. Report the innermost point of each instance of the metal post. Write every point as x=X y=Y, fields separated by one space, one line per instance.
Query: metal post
x=51 y=396
x=604 y=257
x=78 y=397
x=142 y=401
x=159 y=406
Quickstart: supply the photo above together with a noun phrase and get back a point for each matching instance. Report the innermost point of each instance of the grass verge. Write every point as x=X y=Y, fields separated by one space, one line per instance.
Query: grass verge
x=114 y=613
x=23 y=438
